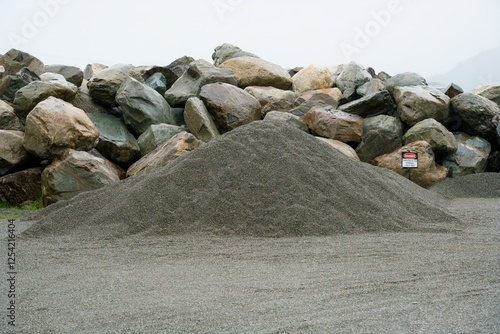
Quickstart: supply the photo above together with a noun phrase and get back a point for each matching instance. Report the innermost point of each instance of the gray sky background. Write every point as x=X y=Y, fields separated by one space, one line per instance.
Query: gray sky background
x=424 y=36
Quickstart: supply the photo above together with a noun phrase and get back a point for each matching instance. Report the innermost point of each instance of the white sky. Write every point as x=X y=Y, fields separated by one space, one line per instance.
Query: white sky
x=424 y=36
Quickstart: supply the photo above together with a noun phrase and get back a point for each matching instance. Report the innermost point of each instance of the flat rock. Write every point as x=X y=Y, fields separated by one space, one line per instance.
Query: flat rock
x=252 y=71
x=71 y=73
x=471 y=156
x=229 y=105
x=312 y=77
x=55 y=125
x=199 y=121
x=8 y=119
x=20 y=187
x=226 y=51
x=12 y=152
x=442 y=141
x=330 y=123
x=156 y=135
x=379 y=103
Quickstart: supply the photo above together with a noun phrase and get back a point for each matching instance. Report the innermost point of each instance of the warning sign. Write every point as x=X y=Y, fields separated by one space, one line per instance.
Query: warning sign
x=409 y=160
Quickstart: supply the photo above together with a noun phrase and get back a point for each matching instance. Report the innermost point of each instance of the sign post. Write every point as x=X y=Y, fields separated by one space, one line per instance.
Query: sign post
x=409 y=160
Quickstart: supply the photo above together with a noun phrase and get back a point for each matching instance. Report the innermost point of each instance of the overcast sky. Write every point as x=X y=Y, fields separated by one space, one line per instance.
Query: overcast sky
x=424 y=36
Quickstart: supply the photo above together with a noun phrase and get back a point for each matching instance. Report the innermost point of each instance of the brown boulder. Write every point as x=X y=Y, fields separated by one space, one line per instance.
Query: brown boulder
x=12 y=152
x=330 y=123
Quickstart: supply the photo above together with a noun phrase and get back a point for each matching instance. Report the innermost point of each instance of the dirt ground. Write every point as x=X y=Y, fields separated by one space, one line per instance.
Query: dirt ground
x=362 y=283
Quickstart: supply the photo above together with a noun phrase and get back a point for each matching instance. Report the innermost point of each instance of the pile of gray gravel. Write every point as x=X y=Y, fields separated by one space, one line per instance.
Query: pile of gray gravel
x=262 y=179
x=483 y=185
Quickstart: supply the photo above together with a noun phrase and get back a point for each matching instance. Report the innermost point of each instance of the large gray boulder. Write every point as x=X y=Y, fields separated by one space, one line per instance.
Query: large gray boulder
x=471 y=156
x=29 y=96
x=312 y=77
x=55 y=125
x=286 y=118
x=199 y=73
x=252 y=71
x=480 y=115
x=20 y=187
x=71 y=73
x=177 y=146
x=379 y=103
x=442 y=141
x=142 y=106
x=75 y=172
x=404 y=80
x=229 y=105
x=8 y=119
x=12 y=152
x=199 y=121
x=352 y=77
x=15 y=60
x=116 y=143
x=330 y=123
x=227 y=51
x=156 y=135
x=491 y=92
x=104 y=85
x=416 y=103
x=381 y=135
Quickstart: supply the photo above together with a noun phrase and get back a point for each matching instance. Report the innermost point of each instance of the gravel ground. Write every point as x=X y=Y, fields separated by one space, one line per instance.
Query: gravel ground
x=359 y=283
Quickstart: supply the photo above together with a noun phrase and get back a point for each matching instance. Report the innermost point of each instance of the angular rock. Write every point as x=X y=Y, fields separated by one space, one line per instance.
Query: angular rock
x=20 y=187
x=330 y=123
x=199 y=73
x=177 y=146
x=171 y=72
x=252 y=71
x=372 y=86
x=381 y=135
x=8 y=119
x=380 y=103
x=83 y=101
x=480 y=115
x=156 y=135
x=442 y=141
x=453 y=90
x=199 y=121
x=92 y=69
x=11 y=83
x=471 y=156
x=416 y=103
x=287 y=118
x=12 y=152
x=228 y=51
x=158 y=82
x=75 y=172
x=229 y=105
x=406 y=79
x=104 y=85
x=29 y=96
x=55 y=125
x=14 y=60
x=142 y=106
x=71 y=73
x=116 y=143
x=383 y=76
x=318 y=99
x=352 y=77
x=340 y=146
x=428 y=171
x=312 y=77
x=491 y=92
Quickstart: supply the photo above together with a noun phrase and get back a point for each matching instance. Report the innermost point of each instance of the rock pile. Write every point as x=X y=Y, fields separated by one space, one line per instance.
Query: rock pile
x=124 y=114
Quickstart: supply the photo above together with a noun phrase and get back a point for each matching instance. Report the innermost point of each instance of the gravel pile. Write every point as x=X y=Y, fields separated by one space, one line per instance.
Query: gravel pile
x=483 y=185
x=262 y=179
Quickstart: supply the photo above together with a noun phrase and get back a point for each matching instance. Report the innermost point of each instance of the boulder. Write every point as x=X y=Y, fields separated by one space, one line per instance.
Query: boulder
x=158 y=82
x=29 y=96
x=406 y=79
x=379 y=103
x=8 y=119
x=156 y=135
x=381 y=135
x=252 y=71
x=83 y=101
x=312 y=77
x=49 y=76
x=327 y=122
x=453 y=90
x=287 y=118
x=55 y=125
x=20 y=187
x=428 y=171
x=171 y=72
x=142 y=106
x=341 y=147
x=352 y=77
x=12 y=152
x=442 y=141
x=471 y=156
x=318 y=99
x=199 y=121
x=334 y=93
x=480 y=115
x=272 y=99
x=370 y=87
x=416 y=103
x=104 y=85
x=75 y=172
x=71 y=73
x=11 y=83
x=199 y=73
x=14 y=60
x=92 y=69
x=116 y=143
x=229 y=105
x=491 y=92
x=228 y=51
x=177 y=146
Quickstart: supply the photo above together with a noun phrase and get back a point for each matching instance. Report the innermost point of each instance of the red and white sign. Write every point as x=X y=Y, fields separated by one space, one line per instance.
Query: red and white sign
x=409 y=160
